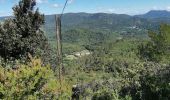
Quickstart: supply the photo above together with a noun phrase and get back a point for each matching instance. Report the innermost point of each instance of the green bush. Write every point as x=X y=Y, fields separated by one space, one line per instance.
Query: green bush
x=109 y=95
x=158 y=46
x=30 y=82
x=156 y=86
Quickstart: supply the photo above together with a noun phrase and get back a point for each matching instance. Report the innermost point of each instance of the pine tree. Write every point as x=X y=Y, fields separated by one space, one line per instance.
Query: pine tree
x=22 y=34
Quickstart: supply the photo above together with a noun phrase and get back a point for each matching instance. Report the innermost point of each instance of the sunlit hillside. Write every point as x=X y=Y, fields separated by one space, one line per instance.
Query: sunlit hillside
x=114 y=50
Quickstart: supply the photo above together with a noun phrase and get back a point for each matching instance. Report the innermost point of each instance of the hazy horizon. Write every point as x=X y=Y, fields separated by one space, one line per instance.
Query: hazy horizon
x=97 y=12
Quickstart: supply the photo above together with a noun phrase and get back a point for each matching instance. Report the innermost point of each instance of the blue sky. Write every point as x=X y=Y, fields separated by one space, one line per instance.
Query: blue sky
x=131 y=7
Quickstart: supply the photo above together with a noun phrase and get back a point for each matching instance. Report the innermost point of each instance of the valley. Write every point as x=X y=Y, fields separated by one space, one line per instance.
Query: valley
x=105 y=56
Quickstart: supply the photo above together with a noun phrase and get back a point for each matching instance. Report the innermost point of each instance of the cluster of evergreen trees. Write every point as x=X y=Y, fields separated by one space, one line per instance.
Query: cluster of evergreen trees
x=22 y=39
x=22 y=35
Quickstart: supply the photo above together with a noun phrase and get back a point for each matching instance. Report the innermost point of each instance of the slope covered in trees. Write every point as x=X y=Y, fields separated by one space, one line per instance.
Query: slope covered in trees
x=121 y=64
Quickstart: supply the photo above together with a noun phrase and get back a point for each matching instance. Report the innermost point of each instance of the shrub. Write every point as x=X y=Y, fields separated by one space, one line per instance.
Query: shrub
x=158 y=46
x=31 y=81
x=109 y=95
x=156 y=86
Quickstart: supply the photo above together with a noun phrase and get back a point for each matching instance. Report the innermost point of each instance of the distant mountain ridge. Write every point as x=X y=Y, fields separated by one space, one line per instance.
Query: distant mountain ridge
x=105 y=22
x=98 y=21
x=2 y=18
x=155 y=14
x=150 y=14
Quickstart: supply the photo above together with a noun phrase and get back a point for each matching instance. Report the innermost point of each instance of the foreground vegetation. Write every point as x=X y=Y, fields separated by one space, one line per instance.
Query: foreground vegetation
x=117 y=67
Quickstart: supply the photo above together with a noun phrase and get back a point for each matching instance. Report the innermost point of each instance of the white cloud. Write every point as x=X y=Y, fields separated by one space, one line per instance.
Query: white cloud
x=70 y=1
x=160 y=8
x=56 y=5
x=105 y=10
x=42 y=1
x=156 y=8
x=168 y=8
x=112 y=10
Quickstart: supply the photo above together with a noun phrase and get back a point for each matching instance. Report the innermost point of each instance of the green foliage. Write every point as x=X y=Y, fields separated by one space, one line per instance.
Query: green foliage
x=158 y=46
x=101 y=22
x=31 y=81
x=109 y=95
x=112 y=64
x=105 y=96
x=115 y=66
x=157 y=85
x=22 y=34
x=110 y=57
x=82 y=36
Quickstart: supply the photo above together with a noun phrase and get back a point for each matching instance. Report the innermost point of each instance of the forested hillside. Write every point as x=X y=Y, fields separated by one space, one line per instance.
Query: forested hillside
x=81 y=28
x=104 y=56
x=120 y=23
